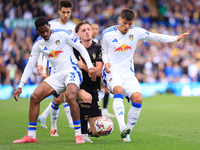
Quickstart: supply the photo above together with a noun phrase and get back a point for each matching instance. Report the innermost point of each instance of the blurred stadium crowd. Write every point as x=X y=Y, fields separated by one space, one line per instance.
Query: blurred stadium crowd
x=154 y=61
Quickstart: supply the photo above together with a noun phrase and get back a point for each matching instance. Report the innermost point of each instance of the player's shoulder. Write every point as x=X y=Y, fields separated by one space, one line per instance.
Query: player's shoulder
x=96 y=45
x=60 y=31
x=37 y=41
x=53 y=21
x=136 y=28
x=108 y=31
x=72 y=23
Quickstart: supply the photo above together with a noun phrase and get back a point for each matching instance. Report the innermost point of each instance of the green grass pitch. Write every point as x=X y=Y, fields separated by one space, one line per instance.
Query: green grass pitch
x=166 y=122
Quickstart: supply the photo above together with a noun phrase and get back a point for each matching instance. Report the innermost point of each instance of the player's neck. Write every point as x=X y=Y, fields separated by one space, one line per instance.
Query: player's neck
x=62 y=21
x=87 y=44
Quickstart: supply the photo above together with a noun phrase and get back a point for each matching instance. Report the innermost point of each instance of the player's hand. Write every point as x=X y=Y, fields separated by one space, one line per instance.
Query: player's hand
x=17 y=93
x=40 y=70
x=92 y=74
x=43 y=76
x=107 y=66
x=81 y=64
x=182 y=35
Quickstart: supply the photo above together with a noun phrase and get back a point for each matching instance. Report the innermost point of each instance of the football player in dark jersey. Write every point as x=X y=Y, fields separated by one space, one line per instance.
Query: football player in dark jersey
x=88 y=93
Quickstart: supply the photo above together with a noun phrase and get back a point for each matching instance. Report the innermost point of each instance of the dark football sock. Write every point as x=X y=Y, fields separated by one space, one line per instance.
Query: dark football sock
x=105 y=100
x=84 y=111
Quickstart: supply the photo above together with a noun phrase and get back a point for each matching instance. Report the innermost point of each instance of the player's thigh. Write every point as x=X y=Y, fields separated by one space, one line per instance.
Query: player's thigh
x=42 y=91
x=92 y=122
x=84 y=96
x=113 y=79
x=57 y=82
x=73 y=79
x=132 y=88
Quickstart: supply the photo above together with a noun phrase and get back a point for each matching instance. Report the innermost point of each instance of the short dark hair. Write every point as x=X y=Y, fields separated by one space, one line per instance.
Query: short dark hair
x=65 y=3
x=127 y=14
x=41 y=21
x=80 y=24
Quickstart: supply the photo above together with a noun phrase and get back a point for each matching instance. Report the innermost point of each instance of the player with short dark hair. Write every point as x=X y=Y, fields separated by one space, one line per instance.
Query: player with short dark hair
x=118 y=47
x=88 y=94
x=56 y=46
x=63 y=22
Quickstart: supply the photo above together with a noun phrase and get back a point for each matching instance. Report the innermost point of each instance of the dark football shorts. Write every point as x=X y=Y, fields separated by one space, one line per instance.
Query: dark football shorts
x=95 y=109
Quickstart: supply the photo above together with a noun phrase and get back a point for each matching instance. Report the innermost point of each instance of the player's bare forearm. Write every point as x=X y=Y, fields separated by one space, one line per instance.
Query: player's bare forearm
x=83 y=66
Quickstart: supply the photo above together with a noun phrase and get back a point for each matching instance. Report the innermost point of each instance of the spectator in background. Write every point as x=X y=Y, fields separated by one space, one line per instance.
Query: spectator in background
x=11 y=70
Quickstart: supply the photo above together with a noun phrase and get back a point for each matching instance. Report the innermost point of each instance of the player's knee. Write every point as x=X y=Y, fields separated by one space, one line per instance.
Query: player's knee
x=34 y=98
x=136 y=98
x=71 y=98
x=87 y=99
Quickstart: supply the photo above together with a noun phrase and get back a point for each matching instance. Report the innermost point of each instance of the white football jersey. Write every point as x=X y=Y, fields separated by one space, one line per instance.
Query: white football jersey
x=69 y=26
x=118 y=49
x=55 y=24
x=58 y=50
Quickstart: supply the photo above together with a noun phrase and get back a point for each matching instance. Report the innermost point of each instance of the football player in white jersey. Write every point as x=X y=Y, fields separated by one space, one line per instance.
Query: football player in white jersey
x=118 y=46
x=63 y=22
x=56 y=45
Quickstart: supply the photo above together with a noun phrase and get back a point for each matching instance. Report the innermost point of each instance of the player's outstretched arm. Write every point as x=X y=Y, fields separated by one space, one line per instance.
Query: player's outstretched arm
x=17 y=93
x=181 y=36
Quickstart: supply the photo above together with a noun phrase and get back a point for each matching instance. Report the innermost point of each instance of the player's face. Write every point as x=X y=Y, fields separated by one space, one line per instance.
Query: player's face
x=95 y=30
x=85 y=32
x=124 y=25
x=65 y=14
x=44 y=31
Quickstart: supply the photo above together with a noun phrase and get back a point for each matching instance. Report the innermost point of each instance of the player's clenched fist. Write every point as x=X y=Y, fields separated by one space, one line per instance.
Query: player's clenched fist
x=107 y=66
x=92 y=74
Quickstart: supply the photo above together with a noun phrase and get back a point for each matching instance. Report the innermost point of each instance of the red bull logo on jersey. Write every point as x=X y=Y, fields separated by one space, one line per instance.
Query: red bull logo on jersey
x=123 y=48
x=54 y=54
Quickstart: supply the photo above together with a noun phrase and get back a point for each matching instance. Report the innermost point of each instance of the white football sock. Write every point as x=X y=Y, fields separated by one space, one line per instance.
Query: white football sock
x=77 y=127
x=46 y=112
x=54 y=110
x=104 y=111
x=118 y=107
x=133 y=114
x=68 y=113
x=32 y=129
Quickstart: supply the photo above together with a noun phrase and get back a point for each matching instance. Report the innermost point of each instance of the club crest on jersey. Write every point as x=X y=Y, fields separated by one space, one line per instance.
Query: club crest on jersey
x=70 y=31
x=94 y=56
x=131 y=37
x=123 y=48
x=57 y=42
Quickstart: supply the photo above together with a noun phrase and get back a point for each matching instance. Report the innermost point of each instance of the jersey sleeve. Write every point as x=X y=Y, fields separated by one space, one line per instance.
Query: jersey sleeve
x=149 y=36
x=44 y=64
x=74 y=42
x=104 y=48
x=40 y=59
x=30 y=65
